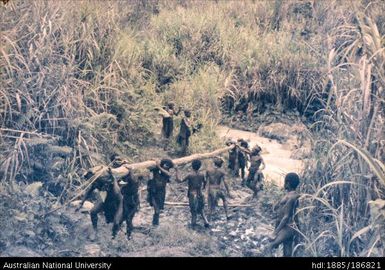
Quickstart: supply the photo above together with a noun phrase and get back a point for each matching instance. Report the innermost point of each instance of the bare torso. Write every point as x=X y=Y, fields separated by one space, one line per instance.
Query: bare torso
x=215 y=177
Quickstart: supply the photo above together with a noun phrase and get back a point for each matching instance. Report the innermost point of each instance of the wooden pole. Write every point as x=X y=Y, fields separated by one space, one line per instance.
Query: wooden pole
x=123 y=170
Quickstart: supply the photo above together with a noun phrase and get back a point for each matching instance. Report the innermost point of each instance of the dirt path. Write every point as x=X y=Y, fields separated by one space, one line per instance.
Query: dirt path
x=245 y=234
x=275 y=154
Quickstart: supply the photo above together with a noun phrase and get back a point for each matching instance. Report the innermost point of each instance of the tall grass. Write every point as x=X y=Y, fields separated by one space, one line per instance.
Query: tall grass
x=347 y=172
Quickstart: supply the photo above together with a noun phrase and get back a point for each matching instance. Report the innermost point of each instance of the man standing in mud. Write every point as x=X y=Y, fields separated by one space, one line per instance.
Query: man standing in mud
x=156 y=187
x=255 y=178
x=284 y=228
x=215 y=176
x=168 y=122
x=185 y=132
x=129 y=204
x=243 y=157
x=196 y=182
x=232 y=163
x=111 y=203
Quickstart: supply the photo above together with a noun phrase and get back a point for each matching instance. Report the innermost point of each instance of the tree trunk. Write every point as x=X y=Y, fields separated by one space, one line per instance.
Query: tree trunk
x=101 y=170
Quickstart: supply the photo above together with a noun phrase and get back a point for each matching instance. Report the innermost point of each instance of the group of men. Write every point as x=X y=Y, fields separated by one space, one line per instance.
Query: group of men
x=122 y=197
x=186 y=128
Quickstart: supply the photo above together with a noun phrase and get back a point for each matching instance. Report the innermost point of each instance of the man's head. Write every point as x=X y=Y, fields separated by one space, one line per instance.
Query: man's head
x=171 y=105
x=166 y=164
x=291 y=181
x=229 y=142
x=256 y=150
x=116 y=160
x=196 y=164
x=187 y=113
x=218 y=162
x=244 y=143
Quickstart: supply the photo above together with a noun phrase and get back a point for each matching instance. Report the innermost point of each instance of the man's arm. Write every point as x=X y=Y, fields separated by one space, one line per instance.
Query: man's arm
x=86 y=196
x=116 y=188
x=204 y=181
x=187 y=122
x=164 y=171
x=263 y=165
x=184 y=179
x=247 y=151
x=207 y=180
x=177 y=112
x=226 y=186
x=177 y=175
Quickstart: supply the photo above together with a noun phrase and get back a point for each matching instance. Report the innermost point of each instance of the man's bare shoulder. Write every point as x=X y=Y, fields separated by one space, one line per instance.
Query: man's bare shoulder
x=222 y=171
x=292 y=196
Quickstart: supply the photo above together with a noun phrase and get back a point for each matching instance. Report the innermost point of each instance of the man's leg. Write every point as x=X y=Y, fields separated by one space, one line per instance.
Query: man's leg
x=211 y=205
x=129 y=224
x=193 y=219
x=118 y=219
x=155 y=218
x=243 y=175
x=284 y=235
x=288 y=247
x=225 y=207
x=205 y=219
x=98 y=207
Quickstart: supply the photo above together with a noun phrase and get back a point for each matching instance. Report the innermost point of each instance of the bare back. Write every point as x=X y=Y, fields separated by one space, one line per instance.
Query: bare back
x=195 y=182
x=287 y=206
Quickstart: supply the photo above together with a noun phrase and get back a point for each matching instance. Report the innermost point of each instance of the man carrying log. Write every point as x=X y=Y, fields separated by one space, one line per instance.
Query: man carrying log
x=129 y=204
x=243 y=157
x=215 y=176
x=196 y=183
x=156 y=187
x=255 y=178
x=113 y=201
x=232 y=163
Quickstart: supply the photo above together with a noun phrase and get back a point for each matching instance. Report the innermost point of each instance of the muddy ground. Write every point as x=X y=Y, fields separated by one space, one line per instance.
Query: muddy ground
x=67 y=233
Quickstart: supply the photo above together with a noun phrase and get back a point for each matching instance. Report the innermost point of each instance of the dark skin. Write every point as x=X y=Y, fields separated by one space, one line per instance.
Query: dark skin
x=185 y=133
x=196 y=182
x=284 y=233
x=171 y=110
x=232 y=159
x=245 y=153
x=215 y=176
x=257 y=165
x=112 y=205
x=161 y=178
x=168 y=123
x=129 y=205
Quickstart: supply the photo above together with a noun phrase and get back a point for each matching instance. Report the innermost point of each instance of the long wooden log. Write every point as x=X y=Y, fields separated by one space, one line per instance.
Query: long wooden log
x=123 y=170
